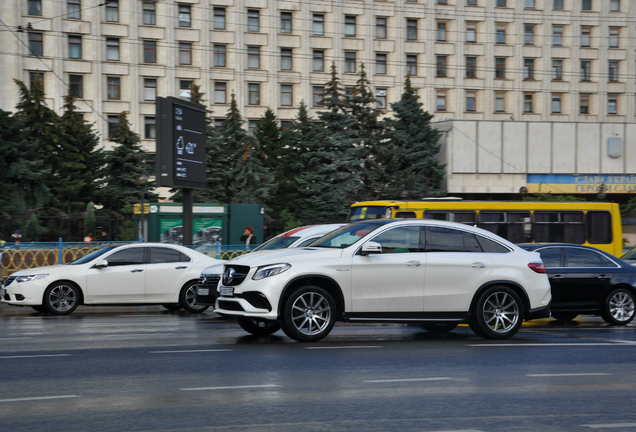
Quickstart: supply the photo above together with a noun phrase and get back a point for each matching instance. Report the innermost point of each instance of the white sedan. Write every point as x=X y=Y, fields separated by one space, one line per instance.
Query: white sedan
x=144 y=273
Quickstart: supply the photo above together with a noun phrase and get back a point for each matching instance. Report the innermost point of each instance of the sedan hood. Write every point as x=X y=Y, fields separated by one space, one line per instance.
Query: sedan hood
x=286 y=255
x=52 y=269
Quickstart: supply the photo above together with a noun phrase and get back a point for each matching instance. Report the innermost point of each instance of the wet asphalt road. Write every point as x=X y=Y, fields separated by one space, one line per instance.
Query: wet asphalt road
x=147 y=369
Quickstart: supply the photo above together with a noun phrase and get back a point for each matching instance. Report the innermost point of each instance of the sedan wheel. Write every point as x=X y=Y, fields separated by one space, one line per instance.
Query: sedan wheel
x=258 y=327
x=188 y=298
x=309 y=314
x=497 y=313
x=61 y=298
x=619 y=307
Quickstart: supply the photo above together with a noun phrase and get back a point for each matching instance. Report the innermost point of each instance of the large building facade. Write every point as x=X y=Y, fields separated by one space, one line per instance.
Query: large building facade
x=565 y=61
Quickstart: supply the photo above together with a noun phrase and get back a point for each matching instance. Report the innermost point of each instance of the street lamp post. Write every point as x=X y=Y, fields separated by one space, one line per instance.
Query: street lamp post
x=141 y=181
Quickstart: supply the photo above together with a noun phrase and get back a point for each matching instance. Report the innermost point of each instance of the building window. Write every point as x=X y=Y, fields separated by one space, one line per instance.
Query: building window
x=612 y=104
x=411 y=29
x=34 y=7
x=411 y=65
x=150 y=89
x=501 y=3
x=112 y=11
x=556 y=103
x=558 y=4
x=76 y=84
x=442 y=1
x=220 y=92
x=380 y=98
x=528 y=102
x=254 y=94
x=528 y=69
x=73 y=9
x=585 y=70
x=615 y=5
x=254 y=57
x=500 y=67
x=286 y=60
x=441 y=100
x=501 y=33
x=613 y=71
x=36 y=75
x=285 y=125
x=75 y=47
x=149 y=13
x=442 y=66
x=557 y=35
x=471 y=32
x=471 y=2
x=319 y=25
x=251 y=127
x=150 y=128
x=150 y=51
x=113 y=88
x=471 y=67
x=286 y=94
x=380 y=64
x=380 y=28
x=557 y=69
x=614 y=32
x=219 y=55
x=219 y=18
x=185 y=89
x=36 y=47
x=500 y=102
x=350 y=26
x=349 y=93
x=586 y=5
x=586 y=33
x=584 y=104
x=318 y=93
x=185 y=16
x=350 y=61
x=112 y=49
x=218 y=125
x=253 y=20
x=319 y=61
x=185 y=53
x=529 y=34
x=441 y=31
x=285 y=22
x=530 y=4
x=113 y=122
x=471 y=100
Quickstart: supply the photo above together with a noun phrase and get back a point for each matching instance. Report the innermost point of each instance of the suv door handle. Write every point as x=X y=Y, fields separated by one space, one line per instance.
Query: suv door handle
x=181 y=267
x=413 y=263
x=137 y=270
x=603 y=277
x=478 y=265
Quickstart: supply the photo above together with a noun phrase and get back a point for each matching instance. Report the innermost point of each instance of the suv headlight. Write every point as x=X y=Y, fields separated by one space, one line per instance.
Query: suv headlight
x=30 y=278
x=270 y=270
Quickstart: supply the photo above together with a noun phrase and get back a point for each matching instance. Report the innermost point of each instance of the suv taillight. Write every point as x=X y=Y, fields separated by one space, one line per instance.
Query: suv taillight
x=538 y=267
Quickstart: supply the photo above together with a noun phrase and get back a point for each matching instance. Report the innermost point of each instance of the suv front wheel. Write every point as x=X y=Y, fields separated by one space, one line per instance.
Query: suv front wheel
x=497 y=313
x=308 y=314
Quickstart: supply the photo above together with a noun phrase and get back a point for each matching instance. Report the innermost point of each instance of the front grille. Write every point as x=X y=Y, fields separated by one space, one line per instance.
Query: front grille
x=230 y=305
x=209 y=281
x=8 y=281
x=234 y=275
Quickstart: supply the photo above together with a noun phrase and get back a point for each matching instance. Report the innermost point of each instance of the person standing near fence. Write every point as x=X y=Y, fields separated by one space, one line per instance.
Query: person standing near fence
x=248 y=237
x=88 y=240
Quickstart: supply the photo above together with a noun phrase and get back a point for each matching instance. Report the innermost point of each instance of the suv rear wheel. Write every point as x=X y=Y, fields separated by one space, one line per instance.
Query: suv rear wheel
x=497 y=313
x=308 y=314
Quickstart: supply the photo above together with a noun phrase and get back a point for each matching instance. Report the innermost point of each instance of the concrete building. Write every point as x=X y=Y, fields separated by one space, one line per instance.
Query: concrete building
x=521 y=75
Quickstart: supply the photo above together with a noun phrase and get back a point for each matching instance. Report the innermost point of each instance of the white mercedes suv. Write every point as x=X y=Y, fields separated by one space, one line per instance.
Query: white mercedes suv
x=433 y=273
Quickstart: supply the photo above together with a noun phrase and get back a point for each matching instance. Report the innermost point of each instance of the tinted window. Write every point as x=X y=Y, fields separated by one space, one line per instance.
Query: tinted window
x=583 y=258
x=599 y=227
x=444 y=240
x=91 y=256
x=551 y=257
x=307 y=241
x=127 y=257
x=278 y=243
x=399 y=240
x=470 y=243
x=166 y=255
x=491 y=246
x=404 y=215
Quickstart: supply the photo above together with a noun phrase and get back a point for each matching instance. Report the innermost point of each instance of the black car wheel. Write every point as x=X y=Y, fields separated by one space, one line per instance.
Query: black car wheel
x=309 y=314
x=437 y=327
x=61 y=298
x=188 y=298
x=618 y=308
x=564 y=316
x=497 y=313
x=258 y=327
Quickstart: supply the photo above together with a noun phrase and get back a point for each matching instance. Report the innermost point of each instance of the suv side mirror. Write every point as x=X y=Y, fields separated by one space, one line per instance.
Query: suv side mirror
x=101 y=264
x=371 y=248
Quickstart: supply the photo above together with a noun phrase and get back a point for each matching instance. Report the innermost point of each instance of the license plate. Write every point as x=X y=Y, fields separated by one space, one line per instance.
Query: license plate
x=2 y=292
x=225 y=291
x=203 y=291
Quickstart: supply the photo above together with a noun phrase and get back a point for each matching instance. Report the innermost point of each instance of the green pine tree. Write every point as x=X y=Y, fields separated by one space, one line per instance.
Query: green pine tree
x=253 y=183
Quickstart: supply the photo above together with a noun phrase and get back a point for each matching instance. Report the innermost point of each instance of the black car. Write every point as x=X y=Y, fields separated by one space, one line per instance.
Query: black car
x=588 y=281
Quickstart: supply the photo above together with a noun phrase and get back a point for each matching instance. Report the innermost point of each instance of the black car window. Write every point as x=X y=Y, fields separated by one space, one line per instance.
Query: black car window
x=470 y=243
x=551 y=256
x=575 y=257
x=491 y=246
x=399 y=240
x=130 y=256
x=440 y=239
x=166 y=255
x=307 y=241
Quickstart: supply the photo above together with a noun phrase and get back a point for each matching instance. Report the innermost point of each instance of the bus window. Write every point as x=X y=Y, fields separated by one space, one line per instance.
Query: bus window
x=558 y=227
x=405 y=215
x=513 y=226
x=370 y=212
x=464 y=217
x=599 y=227
x=435 y=215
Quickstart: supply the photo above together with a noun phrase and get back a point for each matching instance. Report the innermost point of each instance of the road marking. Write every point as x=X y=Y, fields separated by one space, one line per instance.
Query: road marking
x=343 y=347
x=134 y=334
x=614 y=425
x=230 y=387
x=38 y=398
x=567 y=374
x=408 y=379
x=190 y=351
x=15 y=338
x=547 y=344
x=35 y=356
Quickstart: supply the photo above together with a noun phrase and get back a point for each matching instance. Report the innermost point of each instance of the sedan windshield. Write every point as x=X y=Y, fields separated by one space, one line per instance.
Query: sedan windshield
x=346 y=236
x=91 y=256
x=277 y=243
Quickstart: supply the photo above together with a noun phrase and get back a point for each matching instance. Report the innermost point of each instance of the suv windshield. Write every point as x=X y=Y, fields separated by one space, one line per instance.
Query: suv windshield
x=346 y=236
x=91 y=256
x=276 y=243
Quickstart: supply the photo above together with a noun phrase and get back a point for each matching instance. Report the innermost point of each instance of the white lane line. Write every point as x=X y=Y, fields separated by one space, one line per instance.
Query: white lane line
x=230 y=387
x=190 y=351
x=134 y=334
x=568 y=374
x=15 y=338
x=547 y=344
x=343 y=347
x=35 y=356
x=408 y=379
x=38 y=398
x=610 y=425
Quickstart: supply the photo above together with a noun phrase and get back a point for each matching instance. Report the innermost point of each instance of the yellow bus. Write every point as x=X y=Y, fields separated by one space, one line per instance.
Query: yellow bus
x=596 y=224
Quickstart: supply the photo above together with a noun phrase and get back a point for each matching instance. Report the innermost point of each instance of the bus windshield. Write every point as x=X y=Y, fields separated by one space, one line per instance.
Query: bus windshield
x=346 y=236
x=368 y=212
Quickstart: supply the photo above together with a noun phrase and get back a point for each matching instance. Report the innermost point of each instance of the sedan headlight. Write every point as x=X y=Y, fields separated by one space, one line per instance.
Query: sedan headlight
x=270 y=270
x=29 y=278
